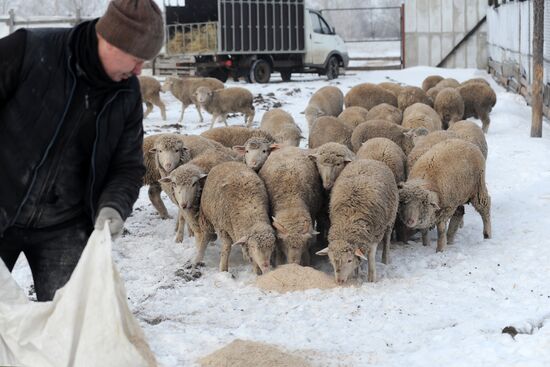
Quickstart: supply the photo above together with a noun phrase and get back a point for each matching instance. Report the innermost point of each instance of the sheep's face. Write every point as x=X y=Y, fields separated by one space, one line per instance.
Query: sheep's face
x=260 y=247
x=293 y=243
x=312 y=113
x=203 y=95
x=167 y=85
x=329 y=168
x=344 y=260
x=256 y=152
x=187 y=189
x=170 y=156
x=418 y=207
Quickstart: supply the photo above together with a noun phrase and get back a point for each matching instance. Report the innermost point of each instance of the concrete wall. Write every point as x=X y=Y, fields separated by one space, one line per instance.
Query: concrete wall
x=434 y=27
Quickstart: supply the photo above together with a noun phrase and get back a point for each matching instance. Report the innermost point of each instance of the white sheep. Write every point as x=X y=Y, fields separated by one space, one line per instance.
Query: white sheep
x=353 y=116
x=230 y=136
x=331 y=158
x=281 y=125
x=363 y=207
x=221 y=102
x=184 y=90
x=295 y=193
x=327 y=101
x=150 y=94
x=368 y=95
x=255 y=151
x=450 y=106
x=411 y=95
x=385 y=129
x=450 y=174
x=421 y=115
x=385 y=151
x=235 y=204
x=387 y=112
x=329 y=129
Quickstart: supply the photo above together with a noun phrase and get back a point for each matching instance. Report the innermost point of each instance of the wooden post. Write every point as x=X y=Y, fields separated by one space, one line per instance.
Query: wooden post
x=538 y=45
x=402 y=11
x=12 y=21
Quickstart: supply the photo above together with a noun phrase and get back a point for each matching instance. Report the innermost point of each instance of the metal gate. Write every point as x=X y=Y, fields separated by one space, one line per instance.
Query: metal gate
x=374 y=35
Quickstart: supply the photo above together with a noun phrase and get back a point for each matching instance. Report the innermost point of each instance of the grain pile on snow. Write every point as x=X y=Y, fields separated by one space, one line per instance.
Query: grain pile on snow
x=242 y=353
x=293 y=277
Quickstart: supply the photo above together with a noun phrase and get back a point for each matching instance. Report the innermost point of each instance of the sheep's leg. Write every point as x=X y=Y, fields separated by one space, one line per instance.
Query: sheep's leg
x=371 y=256
x=425 y=237
x=482 y=204
x=214 y=118
x=441 y=235
x=158 y=102
x=148 y=109
x=386 y=243
x=224 y=117
x=249 y=118
x=201 y=241
x=154 y=195
x=198 y=105
x=183 y=107
x=454 y=223
x=180 y=227
x=226 y=251
x=484 y=117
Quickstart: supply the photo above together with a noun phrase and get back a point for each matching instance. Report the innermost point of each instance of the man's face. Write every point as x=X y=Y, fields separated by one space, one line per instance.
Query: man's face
x=118 y=64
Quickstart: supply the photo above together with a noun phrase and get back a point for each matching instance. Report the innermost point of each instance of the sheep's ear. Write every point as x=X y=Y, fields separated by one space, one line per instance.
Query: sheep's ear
x=400 y=185
x=280 y=228
x=242 y=241
x=360 y=254
x=323 y=252
x=433 y=200
x=203 y=176
x=275 y=146
x=313 y=157
x=239 y=149
x=165 y=180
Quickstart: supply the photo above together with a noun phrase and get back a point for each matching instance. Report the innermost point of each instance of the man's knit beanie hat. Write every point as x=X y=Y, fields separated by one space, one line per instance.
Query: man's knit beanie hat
x=134 y=26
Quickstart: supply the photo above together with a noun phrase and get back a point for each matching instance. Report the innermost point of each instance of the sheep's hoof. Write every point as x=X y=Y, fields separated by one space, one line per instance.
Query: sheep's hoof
x=179 y=238
x=167 y=216
x=486 y=235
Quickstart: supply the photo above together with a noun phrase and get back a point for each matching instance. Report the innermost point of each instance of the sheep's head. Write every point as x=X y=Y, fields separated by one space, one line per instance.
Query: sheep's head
x=344 y=257
x=170 y=153
x=259 y=245
x=294 y=243
x=312 y=113
x=203 y=95
x=187 y=182
x=418 y=206
x=331 y=158
x=290 y=135
x=411 y=136
x=168 y=83
x=256 y=151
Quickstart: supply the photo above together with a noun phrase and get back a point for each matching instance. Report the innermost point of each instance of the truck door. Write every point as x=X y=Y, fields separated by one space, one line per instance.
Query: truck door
x=320 y=39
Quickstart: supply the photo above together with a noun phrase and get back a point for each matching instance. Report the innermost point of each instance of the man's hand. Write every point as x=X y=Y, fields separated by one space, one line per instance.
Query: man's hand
x=116 y=223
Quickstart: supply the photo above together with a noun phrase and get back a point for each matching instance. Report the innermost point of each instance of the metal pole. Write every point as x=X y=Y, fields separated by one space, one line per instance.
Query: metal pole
x=12 y=20
x=538 y=46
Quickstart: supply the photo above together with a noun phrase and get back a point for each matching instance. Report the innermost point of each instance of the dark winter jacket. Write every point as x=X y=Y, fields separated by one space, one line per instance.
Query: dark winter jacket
x=36 y=96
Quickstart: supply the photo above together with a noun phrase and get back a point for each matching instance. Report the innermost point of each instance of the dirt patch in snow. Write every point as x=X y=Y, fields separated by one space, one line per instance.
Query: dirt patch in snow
x=242 y=353
x=293 y=277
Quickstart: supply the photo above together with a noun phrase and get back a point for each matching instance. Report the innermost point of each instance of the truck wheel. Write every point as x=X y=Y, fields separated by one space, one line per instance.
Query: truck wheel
x=220 y=74
x=260 y=72
x=333 y=68
x=286 y=75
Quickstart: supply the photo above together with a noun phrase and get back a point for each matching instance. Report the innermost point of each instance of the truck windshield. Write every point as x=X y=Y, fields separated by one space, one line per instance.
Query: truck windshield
x=319 y=25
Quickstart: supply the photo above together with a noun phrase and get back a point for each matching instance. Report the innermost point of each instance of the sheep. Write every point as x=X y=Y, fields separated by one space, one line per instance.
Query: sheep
x=479 y=100
x=386 y=111
x=421 y=115
x=353 y=116
x=432 y=92
x=385 y=151
x=327 y=101
x=150 y=94
x=411 y=95
x=448 y=83
x=255 y=151
x=430 y=82
x=235 y=204
x=331 y=158
x=394 y=88
x=363 y=207
x=469 y=131
x=152 y=173
x=186 y=184
x=230 y=136
x=450 y=174
x=424 y=143
x=223 y=101
x=329 y=129
x=184 y=90
x=368 y=95
x=475 y=80
x=385 y=129
x=296 y=195
x=450 y=106
x=281 y=125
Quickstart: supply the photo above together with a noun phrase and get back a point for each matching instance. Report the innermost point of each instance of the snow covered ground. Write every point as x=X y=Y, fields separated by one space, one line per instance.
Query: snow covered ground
x=427 y=309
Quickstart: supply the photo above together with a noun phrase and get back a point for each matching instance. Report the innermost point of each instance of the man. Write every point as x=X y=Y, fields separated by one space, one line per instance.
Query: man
x=71 y=135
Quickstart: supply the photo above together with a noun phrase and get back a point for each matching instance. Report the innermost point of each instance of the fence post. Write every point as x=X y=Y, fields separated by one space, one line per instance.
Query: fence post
x=78 y=15
x=12 y=20
x=536 y=91
x=402 y=14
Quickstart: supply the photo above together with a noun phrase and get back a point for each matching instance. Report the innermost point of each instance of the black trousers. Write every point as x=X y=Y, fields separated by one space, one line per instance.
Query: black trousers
x=52 y=253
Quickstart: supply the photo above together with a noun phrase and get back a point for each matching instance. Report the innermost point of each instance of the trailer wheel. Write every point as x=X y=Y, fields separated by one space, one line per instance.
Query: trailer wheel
x=260 y=72
x=286 y=75
x=333 y=68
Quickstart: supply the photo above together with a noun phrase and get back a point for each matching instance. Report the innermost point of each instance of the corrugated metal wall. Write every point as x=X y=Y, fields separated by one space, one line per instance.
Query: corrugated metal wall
x=434 y=27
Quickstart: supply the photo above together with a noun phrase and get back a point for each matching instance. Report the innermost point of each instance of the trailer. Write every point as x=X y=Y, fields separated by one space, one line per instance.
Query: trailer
x=250 y=39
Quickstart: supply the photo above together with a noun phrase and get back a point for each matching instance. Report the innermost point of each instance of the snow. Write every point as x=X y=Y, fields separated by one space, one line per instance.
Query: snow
x=426 y=309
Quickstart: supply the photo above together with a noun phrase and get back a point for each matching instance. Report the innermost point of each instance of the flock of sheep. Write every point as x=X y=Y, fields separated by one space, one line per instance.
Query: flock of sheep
x=398 y=159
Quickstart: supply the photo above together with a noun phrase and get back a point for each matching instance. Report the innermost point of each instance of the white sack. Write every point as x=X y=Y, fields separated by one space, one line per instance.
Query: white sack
x=88 y=323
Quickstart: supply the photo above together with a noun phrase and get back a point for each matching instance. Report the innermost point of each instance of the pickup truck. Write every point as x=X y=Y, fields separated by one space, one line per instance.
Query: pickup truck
x=251 y=39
